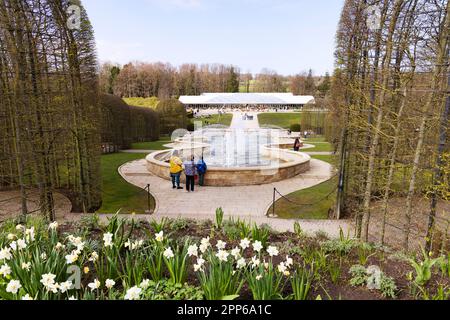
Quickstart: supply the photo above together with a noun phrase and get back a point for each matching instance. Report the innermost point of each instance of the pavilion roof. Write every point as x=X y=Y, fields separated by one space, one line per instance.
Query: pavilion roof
x=247 y=98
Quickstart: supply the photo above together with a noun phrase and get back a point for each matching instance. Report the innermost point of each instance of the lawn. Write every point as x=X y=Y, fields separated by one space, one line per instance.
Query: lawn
x=119 y=194
x=151 y=145
x=283 y=120
x=224 y=119
x=319 y=147
x=311 y=203
x=142 y=102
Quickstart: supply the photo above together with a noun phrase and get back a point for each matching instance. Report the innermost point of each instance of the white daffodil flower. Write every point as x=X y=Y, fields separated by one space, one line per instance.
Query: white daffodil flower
x=193 y=251
x=110 y=283
x=159 y=236
x=107 y=239
x=5 y=270
x=168 y=253
x=13 y=286
x=94 y=285
x=257 y=246
x=272 y=251
x=133 y=293
x=222 y=255
x=5 y=254
x=221 y=245
x=245 y=243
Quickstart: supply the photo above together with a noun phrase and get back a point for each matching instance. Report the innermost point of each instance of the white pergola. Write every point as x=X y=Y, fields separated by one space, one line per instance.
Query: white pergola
x=209 y=100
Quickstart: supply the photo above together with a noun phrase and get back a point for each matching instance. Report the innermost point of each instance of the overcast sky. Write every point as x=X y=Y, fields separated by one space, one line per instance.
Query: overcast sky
x=288 y=36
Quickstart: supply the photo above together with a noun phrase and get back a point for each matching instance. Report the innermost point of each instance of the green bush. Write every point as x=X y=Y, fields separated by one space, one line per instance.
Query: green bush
x=166 y=290
x=296 y=127
x=172 y=115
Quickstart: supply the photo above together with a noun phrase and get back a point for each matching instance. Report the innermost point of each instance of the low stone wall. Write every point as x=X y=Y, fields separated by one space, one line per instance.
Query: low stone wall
x=293 y=164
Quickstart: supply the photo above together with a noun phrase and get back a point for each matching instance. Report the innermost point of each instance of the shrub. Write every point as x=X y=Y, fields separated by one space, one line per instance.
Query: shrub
x=166 y=290
x=387 y=287
x=359 y=275
x=172 y=115
x=295 y=127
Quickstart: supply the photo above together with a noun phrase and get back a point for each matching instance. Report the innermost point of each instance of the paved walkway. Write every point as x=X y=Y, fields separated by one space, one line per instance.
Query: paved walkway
x=245 y=202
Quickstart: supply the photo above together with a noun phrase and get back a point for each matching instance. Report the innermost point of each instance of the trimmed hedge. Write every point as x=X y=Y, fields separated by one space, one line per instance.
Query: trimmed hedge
x=172 y=115
x=121 y=124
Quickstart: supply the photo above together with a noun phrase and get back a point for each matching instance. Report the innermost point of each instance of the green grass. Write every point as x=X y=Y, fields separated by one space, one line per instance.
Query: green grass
x=142 y=102
x=316 y=195
x=283 y=120
x=117 y=193
x=151 y=145
x=319 y=147
x=224 y=119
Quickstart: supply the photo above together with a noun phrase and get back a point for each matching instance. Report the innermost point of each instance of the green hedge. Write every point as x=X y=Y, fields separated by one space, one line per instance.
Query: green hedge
x=121 y=124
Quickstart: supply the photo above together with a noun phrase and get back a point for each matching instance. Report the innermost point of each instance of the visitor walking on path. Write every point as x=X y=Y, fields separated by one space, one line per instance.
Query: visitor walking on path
x=175 y=170
x=201 y=169
x=297 y=145
x=190 y=170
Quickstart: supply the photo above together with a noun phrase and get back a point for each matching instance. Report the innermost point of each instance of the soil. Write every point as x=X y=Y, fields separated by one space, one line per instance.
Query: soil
x=341 y=290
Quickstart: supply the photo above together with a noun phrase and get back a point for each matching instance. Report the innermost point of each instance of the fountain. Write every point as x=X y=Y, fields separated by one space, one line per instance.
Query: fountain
x=236 y=156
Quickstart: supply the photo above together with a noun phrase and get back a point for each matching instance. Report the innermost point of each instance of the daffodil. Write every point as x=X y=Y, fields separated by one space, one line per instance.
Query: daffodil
x=236 y=253
x=222 y=255
x=133 y=293
x=245 y=243
x=159 y=236
x=13 y=286
x=5 y=270
x=26 y=266
x=257 y=246
x=53 y=226
x=168 y=253
x=110 y=283
x=241 y=263
x=193 y=251
x=5 y=254
x=94 y=285
x=27 y=297
x=65 y=286
x=272 y=251
x=221 y=245
x=107 y=239
x=145 y=284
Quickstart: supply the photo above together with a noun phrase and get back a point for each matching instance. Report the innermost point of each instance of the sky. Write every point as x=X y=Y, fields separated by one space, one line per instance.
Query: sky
x=287 y=36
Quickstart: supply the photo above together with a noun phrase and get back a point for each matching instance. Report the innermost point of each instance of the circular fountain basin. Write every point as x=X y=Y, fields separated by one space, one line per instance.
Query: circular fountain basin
x=261 y=164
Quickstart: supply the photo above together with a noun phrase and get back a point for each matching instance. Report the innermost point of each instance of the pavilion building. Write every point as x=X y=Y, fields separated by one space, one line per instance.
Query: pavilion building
x=240 y=100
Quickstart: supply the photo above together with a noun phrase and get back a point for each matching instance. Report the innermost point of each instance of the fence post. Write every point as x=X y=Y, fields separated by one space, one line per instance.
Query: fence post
x=148 y=198
x=273 y=203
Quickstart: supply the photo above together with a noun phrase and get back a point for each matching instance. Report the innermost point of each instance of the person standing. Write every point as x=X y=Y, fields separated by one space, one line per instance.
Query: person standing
x=297 y=145
x=175 y=170
x=201 y=169
x=190 y=171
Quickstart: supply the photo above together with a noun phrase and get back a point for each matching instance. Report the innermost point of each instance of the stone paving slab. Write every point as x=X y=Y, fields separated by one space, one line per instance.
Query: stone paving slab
x=249 y=202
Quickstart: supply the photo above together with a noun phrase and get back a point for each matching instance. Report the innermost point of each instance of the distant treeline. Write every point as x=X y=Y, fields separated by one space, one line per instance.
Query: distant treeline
x=163 y=80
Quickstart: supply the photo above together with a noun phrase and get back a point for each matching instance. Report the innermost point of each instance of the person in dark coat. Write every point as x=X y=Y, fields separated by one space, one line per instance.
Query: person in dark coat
x=297 y=145
x=201 y=169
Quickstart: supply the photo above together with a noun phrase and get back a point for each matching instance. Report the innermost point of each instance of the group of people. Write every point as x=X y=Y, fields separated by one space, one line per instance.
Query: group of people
x=191 y=170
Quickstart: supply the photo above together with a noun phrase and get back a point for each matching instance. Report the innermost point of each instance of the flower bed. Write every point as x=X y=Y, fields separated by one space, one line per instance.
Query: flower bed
x=187 y=260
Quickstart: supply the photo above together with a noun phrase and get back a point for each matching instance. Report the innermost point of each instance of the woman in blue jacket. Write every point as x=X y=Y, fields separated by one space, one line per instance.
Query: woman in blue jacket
x=201 y=169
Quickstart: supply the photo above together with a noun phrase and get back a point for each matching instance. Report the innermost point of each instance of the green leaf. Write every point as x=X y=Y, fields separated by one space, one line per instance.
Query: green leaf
x=230 y=298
